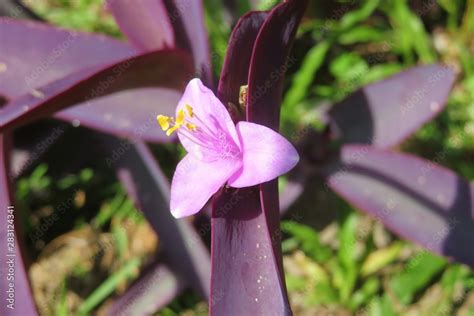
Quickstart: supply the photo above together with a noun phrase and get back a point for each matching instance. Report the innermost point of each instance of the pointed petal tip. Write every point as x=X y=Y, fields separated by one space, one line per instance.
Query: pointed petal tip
x=208 y=113
x=266 y=155
x=196 y=83
x=178 y=210
x=295 y=158
x=177 y=213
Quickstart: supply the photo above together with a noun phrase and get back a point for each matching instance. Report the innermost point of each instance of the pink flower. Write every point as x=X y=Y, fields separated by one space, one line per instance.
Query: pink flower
x=219 y=151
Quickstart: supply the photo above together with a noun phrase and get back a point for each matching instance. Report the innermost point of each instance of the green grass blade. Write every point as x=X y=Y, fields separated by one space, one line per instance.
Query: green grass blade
x=419 y=272
x=380 y=258
x=302 y=80
x=109 y=286
x=356 y=16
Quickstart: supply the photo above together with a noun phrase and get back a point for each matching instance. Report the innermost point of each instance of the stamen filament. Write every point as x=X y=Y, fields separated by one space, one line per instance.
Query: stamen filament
x=203 y=126
x=195 y=140
x=172 y=130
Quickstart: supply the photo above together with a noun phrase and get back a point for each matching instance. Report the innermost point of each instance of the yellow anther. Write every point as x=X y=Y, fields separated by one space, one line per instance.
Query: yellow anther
x=164 y=121
x=172 y=130
x=191 y=127
x=190 y=110
x=180 y=118
x=170 y=125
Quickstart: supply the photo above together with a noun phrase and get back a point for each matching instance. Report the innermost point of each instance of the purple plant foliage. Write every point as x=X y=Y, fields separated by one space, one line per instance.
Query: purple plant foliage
x=146 y=23
x=156 y=288
x=15 y=292
x=106 y=66
x=149 y=70
x=187 y=19
x=235 y=71
x=49 y=53
x=383 y=114
x=169 y=45
x=141 y=176
x=159 y=24
x=247 y=276
x=415 y=198
x=61 y=83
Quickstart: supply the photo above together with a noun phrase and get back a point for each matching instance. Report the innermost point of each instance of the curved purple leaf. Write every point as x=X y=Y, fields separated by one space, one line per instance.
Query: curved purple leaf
x=290 y=194
x=230 y=276
x=34 y=54
x=265 y=90
x=147 y=70
x=59 y=53
x=269 y=63
x=313 y=147
x=15 y=292
x=145 y=22
x=187 y=19
x=150 y=190
x=417 y=199
x=385 y=113
x=247 y=275
x=158 y=24
x=236 y=74
x=155 y=288
x=130 y=113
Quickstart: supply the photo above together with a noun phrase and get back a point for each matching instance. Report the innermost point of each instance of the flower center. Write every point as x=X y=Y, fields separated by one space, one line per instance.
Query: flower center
x=194 y=128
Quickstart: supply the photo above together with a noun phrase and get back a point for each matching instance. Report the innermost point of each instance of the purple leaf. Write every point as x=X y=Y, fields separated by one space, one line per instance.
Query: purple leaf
x=265 y=89
x=385 y=113
x=35 y=54
x=149 y=188
x=270 y=61
x=228 y=274
x=290 y=194
x=235 y=74
x=48 y=54
x=147 y=70
x=417 y=199
x=15 y=292
x=313 y=147
x=187 y=19
x=145 y=22
x=130 y=114
x=158 y=24
x=247 y=276
x=155 y=288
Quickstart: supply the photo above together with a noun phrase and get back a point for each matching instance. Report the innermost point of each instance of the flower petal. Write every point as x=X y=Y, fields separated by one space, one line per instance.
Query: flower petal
x=195 y=181
x=211 y=113
x=266 y=155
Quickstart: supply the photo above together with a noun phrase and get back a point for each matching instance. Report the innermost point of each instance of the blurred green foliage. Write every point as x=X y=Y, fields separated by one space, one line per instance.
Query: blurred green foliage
x=85 y=15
